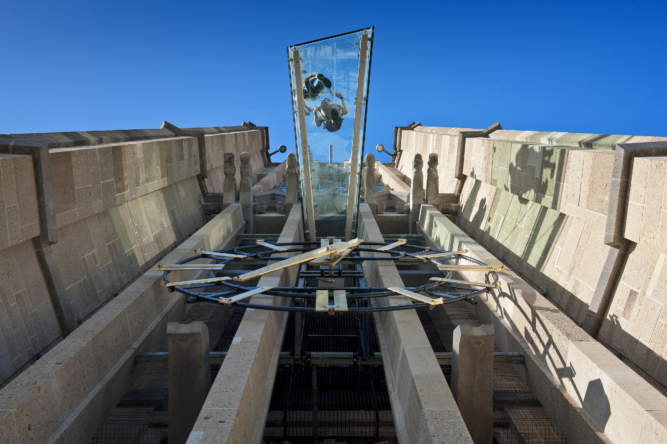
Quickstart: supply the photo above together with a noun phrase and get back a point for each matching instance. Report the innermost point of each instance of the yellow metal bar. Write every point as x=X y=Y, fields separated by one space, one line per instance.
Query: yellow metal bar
x=323 y=243
x=457 y=282
x=271 y=246
x=497 y=268
x=398 y=243
x=186 y=267
x=416 y=296
x=225 y=255
x=322 y=300
x=306 y=257
x=438 y=255
x=196 y=282
x=340 y=300
x=242 y=296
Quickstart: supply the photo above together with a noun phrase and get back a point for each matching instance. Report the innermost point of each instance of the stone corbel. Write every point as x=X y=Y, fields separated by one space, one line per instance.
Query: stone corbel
x=201 y=142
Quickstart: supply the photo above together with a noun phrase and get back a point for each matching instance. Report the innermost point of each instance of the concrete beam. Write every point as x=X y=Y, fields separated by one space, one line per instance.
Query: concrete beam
x=590 y=394
x=424 y=408
x=67 y=394
x=390 y=178
x=472 y=379
x=238 y=403
x=272 y=179
x=189 y=376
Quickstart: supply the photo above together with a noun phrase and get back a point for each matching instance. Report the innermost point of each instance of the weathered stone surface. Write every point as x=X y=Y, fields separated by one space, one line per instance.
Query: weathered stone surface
x=236 y=413
x=589 y=392
x=370 y=182
x=423 y=406
x=416 y=186
x=245 y=190
x=65 y=395
x=189 y=376
x=292 y=182
x=432 y=181
x=472 y=379
x=229 y=196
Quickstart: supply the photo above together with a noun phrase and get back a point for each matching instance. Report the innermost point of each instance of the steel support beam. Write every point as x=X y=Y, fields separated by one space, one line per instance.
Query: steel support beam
x=354 y=160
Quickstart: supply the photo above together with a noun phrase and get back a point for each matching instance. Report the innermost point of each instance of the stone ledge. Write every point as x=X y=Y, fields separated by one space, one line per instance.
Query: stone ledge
x=236 y=413
x=423 y=406
x=592 y=396
x=70 y=390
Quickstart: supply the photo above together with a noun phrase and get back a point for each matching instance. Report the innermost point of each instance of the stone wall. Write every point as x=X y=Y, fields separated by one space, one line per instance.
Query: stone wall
x=635 y=324
x=119 y=208
x=539 y=201
x=425 y=140
x=219 y=144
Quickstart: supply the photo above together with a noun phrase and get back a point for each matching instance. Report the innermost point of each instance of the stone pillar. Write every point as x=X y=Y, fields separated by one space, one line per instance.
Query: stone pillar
x=229 y=191
x=432 y=181
x=416 y=189
x=292 y=182
x=245 y=192
x=370 y=183
x=189 y=376
x=472 y=379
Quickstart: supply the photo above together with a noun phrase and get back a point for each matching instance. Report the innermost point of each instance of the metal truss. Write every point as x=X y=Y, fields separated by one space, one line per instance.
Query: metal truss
x=327 y=261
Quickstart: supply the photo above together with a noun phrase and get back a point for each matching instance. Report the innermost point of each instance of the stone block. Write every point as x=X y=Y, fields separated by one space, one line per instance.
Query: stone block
x=189 y=376
x=472 y=378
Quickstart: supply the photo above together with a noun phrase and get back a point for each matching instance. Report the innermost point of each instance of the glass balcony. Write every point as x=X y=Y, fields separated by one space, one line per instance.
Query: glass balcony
x=329 y=81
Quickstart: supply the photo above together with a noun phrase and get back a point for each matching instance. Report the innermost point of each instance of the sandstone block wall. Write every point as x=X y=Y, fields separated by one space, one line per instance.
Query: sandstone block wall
x=237 y=143
x=539 y=201
x=425 y=140
x=539 y=209
x=635 y=325
x=119 y=206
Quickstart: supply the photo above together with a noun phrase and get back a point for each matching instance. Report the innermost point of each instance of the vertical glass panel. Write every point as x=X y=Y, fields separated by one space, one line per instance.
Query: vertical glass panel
x=329 y=81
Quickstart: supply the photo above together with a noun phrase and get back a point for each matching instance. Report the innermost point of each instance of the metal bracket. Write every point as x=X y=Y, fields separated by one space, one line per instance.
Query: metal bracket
x=398 y=243
x=222 y=255
x=487 y=268
x=195 y=282
x=271 y=246
x=322 y=301
x=417 y=297
x=229 y=301
x=305 y=257
x=458 y=282
x=190 y=267
x=441 y=255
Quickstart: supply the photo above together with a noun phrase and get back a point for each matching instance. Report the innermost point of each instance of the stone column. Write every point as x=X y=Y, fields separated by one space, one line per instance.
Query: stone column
x=416 y=189
x=472 y=379
x=245 y=191
x=229 y=191
x=189 y=376
x=432 y=181
x=292 y=182
x=370 y=183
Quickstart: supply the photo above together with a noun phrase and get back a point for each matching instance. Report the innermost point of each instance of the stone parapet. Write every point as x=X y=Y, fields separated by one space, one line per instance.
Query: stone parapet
x=390 y=178
x=591 y=394
x=240 y=142
x=442 y=141
x=236 y=408
x=579 y=140
x=423 y=406
x=65 y=395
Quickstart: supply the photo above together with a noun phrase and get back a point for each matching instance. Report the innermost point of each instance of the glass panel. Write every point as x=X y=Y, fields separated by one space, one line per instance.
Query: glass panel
x=325 y=84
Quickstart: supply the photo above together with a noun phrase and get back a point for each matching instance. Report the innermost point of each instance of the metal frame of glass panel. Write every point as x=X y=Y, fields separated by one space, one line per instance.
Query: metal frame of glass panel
x=322 y=56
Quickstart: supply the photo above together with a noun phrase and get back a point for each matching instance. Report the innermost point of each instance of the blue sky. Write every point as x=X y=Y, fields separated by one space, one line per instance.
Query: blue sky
x=576 y=66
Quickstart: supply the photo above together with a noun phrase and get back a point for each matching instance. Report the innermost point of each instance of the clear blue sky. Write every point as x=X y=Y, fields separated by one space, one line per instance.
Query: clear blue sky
x=576 y=66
